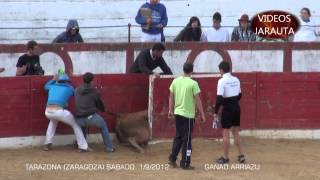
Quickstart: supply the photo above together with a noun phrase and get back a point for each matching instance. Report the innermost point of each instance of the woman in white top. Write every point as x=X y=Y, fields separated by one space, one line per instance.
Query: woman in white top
x=307 y=31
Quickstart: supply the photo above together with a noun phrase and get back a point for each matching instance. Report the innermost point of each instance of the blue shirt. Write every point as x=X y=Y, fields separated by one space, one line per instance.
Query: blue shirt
x=58 y=93
x=159 y=16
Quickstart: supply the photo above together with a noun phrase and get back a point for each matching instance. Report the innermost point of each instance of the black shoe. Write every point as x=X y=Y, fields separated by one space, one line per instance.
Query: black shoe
x=187 y=168
x=110 y=150
x=173 y=164
x=241 y=159
x=85 y=150
x=222 y=160
x=47 y=147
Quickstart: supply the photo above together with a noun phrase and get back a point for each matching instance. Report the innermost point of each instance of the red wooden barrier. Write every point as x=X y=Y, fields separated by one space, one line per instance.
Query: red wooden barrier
x=270 y=101
x=24 y=100
x=162 y=127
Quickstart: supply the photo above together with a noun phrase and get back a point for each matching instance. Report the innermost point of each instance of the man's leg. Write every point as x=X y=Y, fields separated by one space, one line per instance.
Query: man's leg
x=145 y=37
x=98 y=121
x=237 y=139
x=67 y=117
x=187 y=143
x=226 y=143
x=177 y=142
x=51 y=127
x=226 y=123
x=157 y=37
x=51 y=131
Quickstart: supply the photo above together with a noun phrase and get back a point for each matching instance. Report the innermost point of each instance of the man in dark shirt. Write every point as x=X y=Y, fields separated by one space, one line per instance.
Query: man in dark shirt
x=29 y=63
x=150 y=59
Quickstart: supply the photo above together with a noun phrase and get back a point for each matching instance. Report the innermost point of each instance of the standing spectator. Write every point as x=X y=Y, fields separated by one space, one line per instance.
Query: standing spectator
x=243 y=32
x=87 y=102
x=183 y=100
x=307 y=31
x=217 y=33
x=59 y=92
x=192 y=31
x=152 y=16
x=149 y=59
x=29 y=63
x=228 y=97
x=71 y=35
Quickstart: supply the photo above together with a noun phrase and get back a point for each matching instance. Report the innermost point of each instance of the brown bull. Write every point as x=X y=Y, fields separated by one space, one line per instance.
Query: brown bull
x=133 y=128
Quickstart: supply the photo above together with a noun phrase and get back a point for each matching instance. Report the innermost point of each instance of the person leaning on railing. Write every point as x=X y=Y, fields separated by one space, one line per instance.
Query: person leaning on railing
x=192 y=31
x=150 y=59
x=29 y=63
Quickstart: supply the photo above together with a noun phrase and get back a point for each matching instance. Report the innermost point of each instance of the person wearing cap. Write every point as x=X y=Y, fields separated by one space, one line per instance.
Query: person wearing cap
x=216 y=33
x=71 y=35
x=243 y=32
x=59 y=91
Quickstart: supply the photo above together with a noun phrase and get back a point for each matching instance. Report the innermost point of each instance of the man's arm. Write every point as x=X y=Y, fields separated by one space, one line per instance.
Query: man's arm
x=235 y=35
x=171 y=105
x=142 y=61
x=219 y=99
x=200 y=107
x=165 y=68
x=99 y=103
x=139 y=18
x=164 y=17
x=179 y=36
x=21 y=70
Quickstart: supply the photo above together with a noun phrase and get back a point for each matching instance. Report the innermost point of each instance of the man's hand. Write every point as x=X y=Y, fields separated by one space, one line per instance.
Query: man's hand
x=203 y=118
x=170 y=115
x=157 y=75
x=2 y=69
x=55 y=77
x=160 y=26
x=149 y=21
x=21 y=70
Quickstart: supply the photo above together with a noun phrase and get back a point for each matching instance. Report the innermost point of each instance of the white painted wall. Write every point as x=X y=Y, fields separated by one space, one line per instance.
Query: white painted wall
x=55 y=13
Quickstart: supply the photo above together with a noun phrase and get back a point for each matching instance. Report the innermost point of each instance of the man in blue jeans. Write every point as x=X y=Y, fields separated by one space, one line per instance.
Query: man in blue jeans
x=87 y=102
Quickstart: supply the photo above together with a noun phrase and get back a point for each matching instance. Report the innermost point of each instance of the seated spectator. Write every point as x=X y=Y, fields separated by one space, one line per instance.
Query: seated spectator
x=71 y=35
x=243 y=32
x=150 y=59
x=29 y=63
x=192 y=31
x=152 y=16
x=217 y=33
x=307 y=31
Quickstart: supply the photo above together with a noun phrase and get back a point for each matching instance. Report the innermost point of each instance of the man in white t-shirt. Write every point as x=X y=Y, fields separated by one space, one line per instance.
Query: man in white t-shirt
x=307 y=31
x=217 y=33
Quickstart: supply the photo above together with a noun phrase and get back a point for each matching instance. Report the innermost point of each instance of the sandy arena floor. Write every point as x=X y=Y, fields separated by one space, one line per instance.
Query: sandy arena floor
x=267 y=159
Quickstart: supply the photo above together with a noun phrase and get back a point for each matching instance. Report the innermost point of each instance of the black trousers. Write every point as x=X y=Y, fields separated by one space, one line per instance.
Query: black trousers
x=183 y=139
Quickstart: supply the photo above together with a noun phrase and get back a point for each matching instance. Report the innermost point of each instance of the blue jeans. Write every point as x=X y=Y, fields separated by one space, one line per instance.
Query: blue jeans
x=97 y=121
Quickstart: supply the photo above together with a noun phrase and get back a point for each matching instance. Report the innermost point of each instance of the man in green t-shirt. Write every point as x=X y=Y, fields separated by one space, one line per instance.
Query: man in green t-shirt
x=184 y=97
